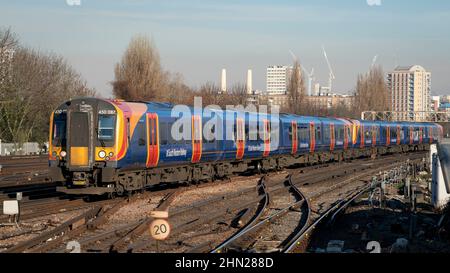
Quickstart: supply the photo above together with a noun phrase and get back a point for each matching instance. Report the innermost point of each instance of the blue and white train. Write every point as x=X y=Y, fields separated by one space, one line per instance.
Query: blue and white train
x=113 y=147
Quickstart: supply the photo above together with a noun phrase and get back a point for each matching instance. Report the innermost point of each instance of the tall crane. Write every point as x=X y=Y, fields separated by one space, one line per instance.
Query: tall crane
x=310 y=79
x=310 y=75
x=374 y=60
x=331 y=76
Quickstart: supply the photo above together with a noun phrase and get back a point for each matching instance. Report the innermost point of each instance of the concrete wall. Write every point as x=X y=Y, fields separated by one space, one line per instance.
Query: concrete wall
x=446 y=128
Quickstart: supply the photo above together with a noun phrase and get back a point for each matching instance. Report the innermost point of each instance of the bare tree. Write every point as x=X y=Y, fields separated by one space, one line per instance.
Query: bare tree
x=8 y=44
x=39 y=82
x=210 y=94
x=296 y=89
x=7 y=39
x=372 y=93
x=139 y=75
x=175 y=91
x=237 y=94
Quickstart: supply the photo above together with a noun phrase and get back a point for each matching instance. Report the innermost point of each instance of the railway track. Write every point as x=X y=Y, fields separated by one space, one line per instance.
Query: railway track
x=101 y=236
x=270 y=233
x=285 y=228
x=22 y=164
x=218 y=217
x=213 y=226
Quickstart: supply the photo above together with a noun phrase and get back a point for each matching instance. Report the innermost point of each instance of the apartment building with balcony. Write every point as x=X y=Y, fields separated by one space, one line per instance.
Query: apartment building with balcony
x=410 y=89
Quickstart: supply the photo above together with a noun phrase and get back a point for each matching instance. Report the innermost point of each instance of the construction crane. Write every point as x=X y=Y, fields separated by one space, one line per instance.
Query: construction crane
x=374 y=60
x=331 y=74
x=310 y=79
x=309 y=74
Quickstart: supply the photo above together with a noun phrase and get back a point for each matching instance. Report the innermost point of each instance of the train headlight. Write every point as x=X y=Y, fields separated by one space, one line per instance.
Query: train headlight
x=63 y=154
x=102 y=154
x=111 y=154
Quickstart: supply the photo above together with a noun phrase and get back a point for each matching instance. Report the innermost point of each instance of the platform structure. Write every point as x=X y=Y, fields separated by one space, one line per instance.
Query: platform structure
x=441 y=118
x=440 y=187
x=413 y=116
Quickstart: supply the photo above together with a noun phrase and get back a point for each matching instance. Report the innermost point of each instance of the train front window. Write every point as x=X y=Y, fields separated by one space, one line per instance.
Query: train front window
x=106 y=129
x=59 y=130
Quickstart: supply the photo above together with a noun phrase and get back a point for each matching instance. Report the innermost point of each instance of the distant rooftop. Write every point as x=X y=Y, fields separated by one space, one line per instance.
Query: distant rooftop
x=409 y=68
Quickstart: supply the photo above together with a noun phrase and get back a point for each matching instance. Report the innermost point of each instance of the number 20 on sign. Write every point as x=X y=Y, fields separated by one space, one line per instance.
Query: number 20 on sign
x=159 y=229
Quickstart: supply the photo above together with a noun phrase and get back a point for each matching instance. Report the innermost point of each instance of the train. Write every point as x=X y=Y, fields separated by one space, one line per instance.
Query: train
x=115 y=147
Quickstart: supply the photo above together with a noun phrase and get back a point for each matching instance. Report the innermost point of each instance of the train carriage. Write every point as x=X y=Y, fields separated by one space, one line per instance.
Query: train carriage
x=112 y=146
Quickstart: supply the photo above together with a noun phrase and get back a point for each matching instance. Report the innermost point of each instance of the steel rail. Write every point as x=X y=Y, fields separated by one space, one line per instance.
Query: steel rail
x=264 y=221
x=263 y=205
x=335 y=209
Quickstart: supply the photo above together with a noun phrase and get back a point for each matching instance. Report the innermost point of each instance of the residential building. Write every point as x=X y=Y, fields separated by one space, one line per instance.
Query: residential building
x=410 y=91
x=277 y=79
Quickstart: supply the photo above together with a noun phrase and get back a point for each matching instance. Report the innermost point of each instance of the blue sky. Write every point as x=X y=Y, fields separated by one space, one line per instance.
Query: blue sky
x=198 y=38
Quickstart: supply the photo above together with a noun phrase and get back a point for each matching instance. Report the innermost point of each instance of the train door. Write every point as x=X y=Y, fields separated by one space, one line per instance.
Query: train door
x=411 y=135
x=430 y=133
x=266 y=126
x=294 y=137
x=196 y=138
x=312 y=137
x=398 y=134
x=152 y=140
x=332 y=137
x=79 y=137
x=374 y=135
x=388 y=135
x=304 y=135
x=362 y=136
x=240 y=138
x=346 y=136
x=420 y=135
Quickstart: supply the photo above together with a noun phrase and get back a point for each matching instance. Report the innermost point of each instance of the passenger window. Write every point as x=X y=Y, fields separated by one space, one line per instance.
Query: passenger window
x=128 y=129
x=318 y=134
x=340 y=133
x=142 y=133
x=163 y=137
x=247 y=130
x=304 y=133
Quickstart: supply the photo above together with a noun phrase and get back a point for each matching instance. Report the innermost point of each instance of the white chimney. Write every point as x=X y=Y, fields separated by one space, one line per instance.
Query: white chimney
x=249 y=82
x=224 y=80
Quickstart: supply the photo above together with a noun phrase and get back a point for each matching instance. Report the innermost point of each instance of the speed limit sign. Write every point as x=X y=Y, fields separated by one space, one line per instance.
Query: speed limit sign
x=159 y=229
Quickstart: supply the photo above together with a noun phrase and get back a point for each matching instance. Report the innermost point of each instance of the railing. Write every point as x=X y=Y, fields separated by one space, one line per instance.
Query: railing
x=419 y=116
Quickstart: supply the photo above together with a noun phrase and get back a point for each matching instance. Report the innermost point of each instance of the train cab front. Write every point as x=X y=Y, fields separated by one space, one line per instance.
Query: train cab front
x=82 y=146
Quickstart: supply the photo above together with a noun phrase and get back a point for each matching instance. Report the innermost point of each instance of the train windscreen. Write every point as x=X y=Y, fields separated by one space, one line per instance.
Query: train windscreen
x=106 y=130
x=59 y=129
